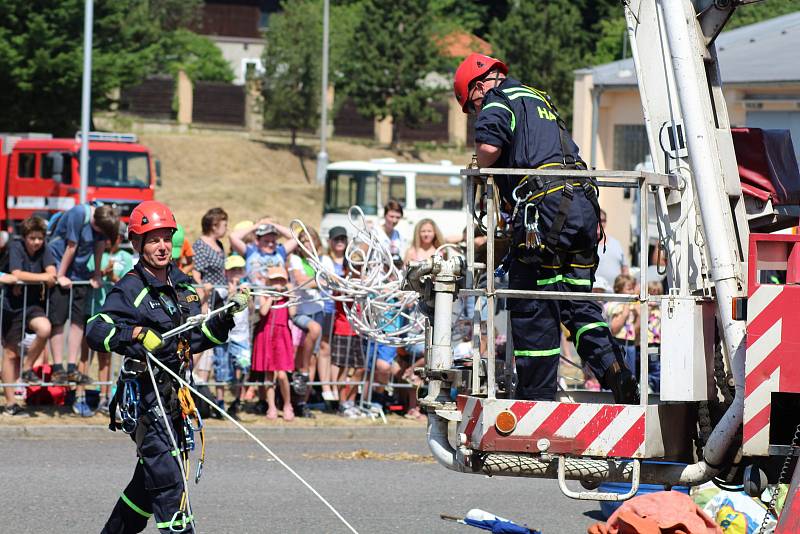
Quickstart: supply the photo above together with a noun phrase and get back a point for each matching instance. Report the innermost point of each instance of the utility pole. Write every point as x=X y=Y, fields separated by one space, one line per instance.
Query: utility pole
x=86 y=92
x=322 y=157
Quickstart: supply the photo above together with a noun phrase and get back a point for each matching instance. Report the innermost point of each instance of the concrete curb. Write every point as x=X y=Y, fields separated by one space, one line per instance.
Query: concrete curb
x=333 y=432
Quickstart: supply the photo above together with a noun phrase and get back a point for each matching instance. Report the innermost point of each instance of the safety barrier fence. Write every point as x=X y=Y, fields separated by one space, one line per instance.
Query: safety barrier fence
x=22 y=290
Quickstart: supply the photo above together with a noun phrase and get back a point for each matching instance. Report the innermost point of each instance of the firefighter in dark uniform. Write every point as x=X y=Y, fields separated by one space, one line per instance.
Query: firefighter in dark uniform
x=554 y=223
x=154 y=297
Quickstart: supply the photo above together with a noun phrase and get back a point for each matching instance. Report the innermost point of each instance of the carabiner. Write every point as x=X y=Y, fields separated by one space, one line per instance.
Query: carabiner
x=182 y=521
x=514 y=193
x=199 y=471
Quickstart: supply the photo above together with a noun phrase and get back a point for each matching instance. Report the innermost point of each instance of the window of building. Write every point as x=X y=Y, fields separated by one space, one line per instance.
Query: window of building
x=26 y=165
x=630 y=146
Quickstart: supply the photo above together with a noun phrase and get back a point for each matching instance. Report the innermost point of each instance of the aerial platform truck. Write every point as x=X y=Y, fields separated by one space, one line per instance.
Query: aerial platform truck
x=729 y=404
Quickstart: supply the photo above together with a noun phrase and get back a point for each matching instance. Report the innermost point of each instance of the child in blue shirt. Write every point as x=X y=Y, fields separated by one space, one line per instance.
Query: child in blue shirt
x=78 y=234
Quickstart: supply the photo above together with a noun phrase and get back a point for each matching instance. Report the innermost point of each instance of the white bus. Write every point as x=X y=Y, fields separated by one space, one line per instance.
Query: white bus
x=425 y=190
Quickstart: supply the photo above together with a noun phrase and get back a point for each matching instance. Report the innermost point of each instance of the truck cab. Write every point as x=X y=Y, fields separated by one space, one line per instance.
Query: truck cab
x=41 y=174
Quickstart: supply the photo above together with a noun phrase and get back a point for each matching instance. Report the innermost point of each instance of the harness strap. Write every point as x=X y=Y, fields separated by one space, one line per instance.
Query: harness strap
x=567 y=194
x=112 y=408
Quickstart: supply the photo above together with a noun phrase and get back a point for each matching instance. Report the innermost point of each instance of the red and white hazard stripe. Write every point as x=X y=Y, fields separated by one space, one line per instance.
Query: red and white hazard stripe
x=770 y=362
x=564 y=428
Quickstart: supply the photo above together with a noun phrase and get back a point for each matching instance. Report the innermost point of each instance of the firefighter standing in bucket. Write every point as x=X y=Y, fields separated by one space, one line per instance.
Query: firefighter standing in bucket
x=154 y=297
x=554 y=223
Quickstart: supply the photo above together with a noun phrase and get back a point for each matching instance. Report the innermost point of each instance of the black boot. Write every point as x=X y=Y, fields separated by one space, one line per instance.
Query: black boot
x=622 y=383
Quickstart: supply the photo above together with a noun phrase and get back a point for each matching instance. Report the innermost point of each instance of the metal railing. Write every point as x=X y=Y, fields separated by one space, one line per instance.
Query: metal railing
x=642 y=180
x=366 y=385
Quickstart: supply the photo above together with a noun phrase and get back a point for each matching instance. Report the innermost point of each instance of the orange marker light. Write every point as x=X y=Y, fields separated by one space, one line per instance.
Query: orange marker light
x=506 y=422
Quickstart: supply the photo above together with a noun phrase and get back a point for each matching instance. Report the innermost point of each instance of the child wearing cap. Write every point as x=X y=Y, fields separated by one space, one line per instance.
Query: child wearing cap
x=273 y=353
x=232 y=359
x=266 y=250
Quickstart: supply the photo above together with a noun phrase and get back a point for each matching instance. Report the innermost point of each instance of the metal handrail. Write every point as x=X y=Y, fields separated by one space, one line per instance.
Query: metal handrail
x=604 y=178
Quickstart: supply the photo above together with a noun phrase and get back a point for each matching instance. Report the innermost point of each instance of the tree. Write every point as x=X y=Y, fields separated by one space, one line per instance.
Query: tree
x=389 y=57
x=609 y=33
x=293 y=61
x=750 y=14
x=540 y=44
x=194 y=54
x=41 y=55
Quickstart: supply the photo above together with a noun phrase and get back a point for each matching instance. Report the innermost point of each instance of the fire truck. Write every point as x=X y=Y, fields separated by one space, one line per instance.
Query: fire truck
x=41 y=174
x=729 y=403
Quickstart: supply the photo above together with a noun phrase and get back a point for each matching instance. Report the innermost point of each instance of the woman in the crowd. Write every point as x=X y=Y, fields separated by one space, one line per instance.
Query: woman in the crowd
x=427 y=238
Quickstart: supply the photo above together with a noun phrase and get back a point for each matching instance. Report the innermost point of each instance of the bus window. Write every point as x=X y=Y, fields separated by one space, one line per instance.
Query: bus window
x=439 y=192
x=393 y=187
x=348 y=188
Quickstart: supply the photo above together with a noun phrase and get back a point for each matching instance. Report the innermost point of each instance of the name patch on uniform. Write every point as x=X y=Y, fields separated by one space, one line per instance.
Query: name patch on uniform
x=192 y=298
x=154 y=304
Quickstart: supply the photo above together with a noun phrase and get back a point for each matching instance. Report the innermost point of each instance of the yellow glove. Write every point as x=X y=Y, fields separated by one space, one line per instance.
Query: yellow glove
x=150 y=339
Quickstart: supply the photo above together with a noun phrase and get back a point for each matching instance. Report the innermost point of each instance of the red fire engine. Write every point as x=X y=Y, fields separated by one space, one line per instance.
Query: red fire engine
x=40 y=174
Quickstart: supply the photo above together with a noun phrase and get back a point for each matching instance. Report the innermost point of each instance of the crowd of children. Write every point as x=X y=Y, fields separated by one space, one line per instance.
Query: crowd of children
x=274 y=355
x=278 y=349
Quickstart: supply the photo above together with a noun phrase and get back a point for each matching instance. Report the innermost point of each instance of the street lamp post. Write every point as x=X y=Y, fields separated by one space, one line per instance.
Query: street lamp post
x=86 y=91
x=322 y=157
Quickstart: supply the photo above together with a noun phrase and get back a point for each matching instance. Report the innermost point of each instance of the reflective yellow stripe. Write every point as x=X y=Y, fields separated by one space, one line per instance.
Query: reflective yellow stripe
x=523 y=92
x=586 y=327
x=108 y=338
x=190 y=287
x=566 y=279
x=140 y=297
x=135 y=508
x=503 y=106
x=102 y=316
x=209 y=335
x=538 y=353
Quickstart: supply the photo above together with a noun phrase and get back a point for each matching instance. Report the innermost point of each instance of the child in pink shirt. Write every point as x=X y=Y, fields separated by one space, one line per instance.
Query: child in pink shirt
x=273 y=352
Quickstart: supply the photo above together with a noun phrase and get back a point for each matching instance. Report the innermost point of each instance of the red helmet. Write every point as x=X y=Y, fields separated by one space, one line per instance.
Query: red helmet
x=472 y=68
x=150 y=215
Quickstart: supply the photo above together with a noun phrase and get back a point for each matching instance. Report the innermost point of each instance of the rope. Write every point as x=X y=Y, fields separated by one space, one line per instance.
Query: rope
x=372 y=294
x=168 y=426
x=250 y=434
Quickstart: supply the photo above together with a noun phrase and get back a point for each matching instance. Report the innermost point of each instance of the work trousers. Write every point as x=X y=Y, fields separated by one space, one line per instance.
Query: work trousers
x=535 y=324
x=156 y=488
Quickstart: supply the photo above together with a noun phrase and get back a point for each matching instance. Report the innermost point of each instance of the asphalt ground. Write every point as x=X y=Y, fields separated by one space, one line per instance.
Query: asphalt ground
x=381 y=479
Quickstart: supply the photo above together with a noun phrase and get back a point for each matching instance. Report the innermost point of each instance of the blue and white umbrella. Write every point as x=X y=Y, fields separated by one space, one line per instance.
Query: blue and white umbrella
x=487 y=521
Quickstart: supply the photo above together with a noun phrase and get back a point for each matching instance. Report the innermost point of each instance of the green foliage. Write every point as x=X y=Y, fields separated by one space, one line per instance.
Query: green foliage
x=752 y=13
x=41 y=55
x=293 y=60
x=198 y=56
x=608 y=42
x=452 y=15
x=608 y=32
x=540 y=44
x=390 y=55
